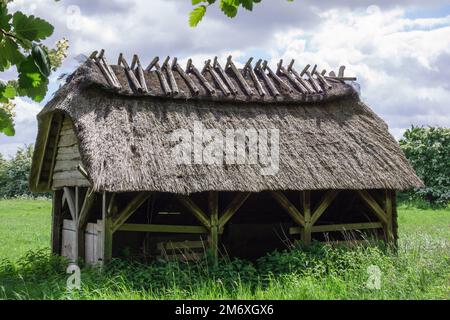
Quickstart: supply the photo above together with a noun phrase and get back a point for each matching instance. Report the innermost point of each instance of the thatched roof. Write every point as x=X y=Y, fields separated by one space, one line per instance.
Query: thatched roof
x=329 y=139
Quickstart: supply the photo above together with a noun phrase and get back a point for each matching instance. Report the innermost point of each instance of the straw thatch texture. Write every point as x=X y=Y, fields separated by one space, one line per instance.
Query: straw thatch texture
x=124 y=142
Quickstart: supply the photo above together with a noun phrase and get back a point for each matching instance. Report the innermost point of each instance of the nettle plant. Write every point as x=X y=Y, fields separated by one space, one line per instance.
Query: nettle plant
x=229 y=8
x=21 y=47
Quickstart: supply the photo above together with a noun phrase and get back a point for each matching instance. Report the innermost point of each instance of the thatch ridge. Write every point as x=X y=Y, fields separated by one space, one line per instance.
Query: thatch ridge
x=338 y=144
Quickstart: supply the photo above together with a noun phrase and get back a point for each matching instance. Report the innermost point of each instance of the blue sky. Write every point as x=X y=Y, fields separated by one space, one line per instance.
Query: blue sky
x=399 y=50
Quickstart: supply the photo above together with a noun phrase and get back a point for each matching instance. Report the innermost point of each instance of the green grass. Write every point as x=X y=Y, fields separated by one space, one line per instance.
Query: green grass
x=419 y=270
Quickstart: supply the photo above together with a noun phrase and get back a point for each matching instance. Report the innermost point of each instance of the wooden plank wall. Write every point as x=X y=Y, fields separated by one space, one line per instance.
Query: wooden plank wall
x=65 y=172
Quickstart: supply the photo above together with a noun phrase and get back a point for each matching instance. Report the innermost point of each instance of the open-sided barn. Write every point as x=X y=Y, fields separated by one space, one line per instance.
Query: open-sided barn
x=108 y=142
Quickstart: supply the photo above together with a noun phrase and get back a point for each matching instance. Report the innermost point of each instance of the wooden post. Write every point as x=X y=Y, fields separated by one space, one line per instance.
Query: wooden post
x=306 y=201
x=213 y=201
x=107 y=232
x=389 y=229
x=57 y=221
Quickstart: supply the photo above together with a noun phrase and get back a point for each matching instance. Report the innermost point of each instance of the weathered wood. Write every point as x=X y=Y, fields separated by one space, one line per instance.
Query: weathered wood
x=190 y=68
x=297 y=84
x=389 y=230
x=66 y=165
x=299 y=78
x=233 y=207
x=194 y=209
x=216 y=78
x=274 y=76
x=323 y=205
x=266 y=79
x=130 y=74
x=68 y=175
x=306 y=202
x=373 y=205
x=173 y=82
x=68 y=156
x=106 y=231
x=140 y=73
x=69 y=194
x=58 y=183
x=213 y=204
x=111 y=72
x=55 y=151
x=161 y=76
x=180 y=245
x=57 y=221
x=288 y=207
x=82 y=220
x=218 y=67
x=159 y=228
x=41 y=162
x=323 y=80
x=190 y=83
x=240 y=78
x=248 y=68
x=68 y=140
x=69 y=150
x=131 y=208
x=339 y=227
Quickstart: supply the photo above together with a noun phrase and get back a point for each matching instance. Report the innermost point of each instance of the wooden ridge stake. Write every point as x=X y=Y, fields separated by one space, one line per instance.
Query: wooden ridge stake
x=248 y=68
x=298 y=85
x=106 y=69
x=274 y=76
x=140 y=72
x=239 y=76
x=185 y=76
x=216 y=77
x=162 y=78
x=130 y=74
x=299 y=78
x=230 y=84
x=311 y=79
x=173 y=82
x=267 y=80
x=191 y=68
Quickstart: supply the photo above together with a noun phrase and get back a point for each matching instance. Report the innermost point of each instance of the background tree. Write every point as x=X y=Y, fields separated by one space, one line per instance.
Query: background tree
x=229 y=8
x=21 y=47
x=428 y=150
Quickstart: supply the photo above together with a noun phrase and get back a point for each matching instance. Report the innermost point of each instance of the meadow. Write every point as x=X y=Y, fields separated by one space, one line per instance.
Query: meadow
x=419 y=269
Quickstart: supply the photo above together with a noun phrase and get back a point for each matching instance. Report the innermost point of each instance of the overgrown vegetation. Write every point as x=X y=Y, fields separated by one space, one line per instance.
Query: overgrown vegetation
x=428 y=151
x=419 y=270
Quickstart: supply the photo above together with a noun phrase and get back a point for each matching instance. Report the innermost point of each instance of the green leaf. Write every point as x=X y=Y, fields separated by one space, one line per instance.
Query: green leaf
x=31 y=82
x=247 y=4
x=4 y=18
x=196 y=2
x=229 y=7
x=9 y=54
x=196 y=15
x=6 y=122
x=41 y=59
x=30 y=27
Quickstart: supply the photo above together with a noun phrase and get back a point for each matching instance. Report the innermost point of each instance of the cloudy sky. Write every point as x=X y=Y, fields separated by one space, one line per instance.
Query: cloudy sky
x=398 y=49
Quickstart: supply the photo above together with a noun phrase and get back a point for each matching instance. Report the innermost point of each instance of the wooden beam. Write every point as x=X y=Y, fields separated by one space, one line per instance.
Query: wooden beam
x=306 y=202
x=239 y=77
x=323 y=205
x=340 y=227
x=81 y=223
x=41 y=162
x=225 y=77
x=289 y=207
x=194 y=209
x=389 y=230
x=213 y=203
x=55 y=151
x=69 y=195
x=373 y=205
x=131 y=208
x=106 y=231
x=57 y=221
x=160 y=228
x=232 y=208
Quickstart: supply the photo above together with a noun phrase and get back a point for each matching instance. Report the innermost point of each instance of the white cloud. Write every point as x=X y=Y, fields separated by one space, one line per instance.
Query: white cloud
x=401 y=63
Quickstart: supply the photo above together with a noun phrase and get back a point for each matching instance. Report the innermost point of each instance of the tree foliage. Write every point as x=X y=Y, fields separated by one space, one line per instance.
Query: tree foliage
x=14 y=174
x=428 y=150
x=229 y=8
x=21 y=47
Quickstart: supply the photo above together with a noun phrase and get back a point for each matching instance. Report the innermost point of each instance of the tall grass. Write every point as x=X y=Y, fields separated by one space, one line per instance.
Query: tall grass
x=418 y=270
